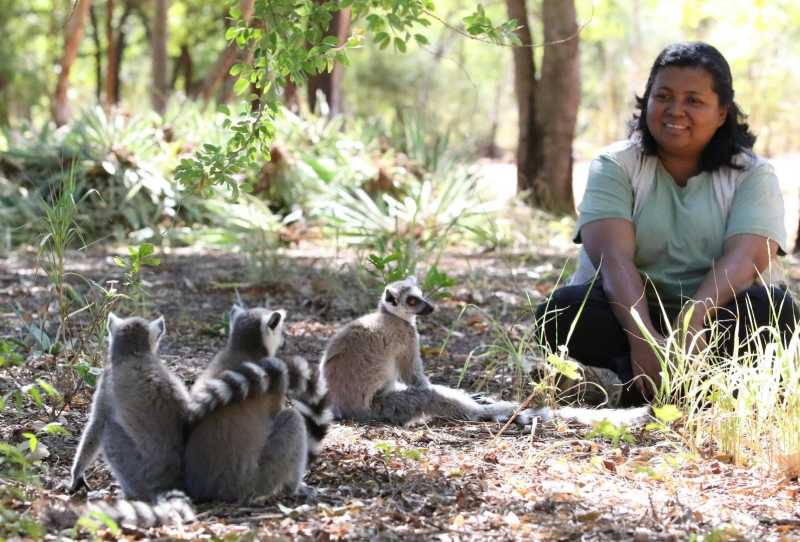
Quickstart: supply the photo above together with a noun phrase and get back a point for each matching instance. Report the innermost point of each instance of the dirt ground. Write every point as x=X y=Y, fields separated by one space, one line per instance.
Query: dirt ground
x=435 y=481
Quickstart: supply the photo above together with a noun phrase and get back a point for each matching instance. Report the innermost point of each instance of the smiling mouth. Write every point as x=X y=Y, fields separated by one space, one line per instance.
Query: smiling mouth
x=676 y=126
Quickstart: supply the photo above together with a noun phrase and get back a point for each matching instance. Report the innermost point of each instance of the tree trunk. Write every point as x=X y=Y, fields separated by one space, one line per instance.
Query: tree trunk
x=98 y=54
x=72 y=41
x=219 y=72
x=529 y=140
x=559 y=98
x=160 y=91
x=183 y=66
x=291 y=97
x=330 y=82
x=120 y=48
x=547 y=106
x=112 y=60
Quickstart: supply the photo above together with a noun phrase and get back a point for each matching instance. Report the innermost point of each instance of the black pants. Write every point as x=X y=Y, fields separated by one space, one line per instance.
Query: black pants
x=599 y=340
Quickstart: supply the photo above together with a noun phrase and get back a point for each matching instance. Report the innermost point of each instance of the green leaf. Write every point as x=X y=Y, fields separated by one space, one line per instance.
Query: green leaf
x=607 y=430
x=33 y=393
x=146 y=249
x=421 y=40
x=55 y=428
x=241 y=86
x=377 y=261
x=667 y=413
x=381 y=37
x=33 y=442
x=565 y=367
x=400 y=44
x=48 y=389
x=395 y=21
x=87 y=373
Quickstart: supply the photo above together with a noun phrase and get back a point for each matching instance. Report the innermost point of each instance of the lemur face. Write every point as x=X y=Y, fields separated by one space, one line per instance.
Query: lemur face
x=404 y=299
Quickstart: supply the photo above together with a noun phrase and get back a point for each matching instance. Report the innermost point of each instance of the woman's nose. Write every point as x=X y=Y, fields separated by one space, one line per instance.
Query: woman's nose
x=675 y=108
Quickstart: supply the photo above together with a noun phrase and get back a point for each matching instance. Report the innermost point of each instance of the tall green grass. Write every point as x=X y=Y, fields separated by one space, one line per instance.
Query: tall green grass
x=744 y=406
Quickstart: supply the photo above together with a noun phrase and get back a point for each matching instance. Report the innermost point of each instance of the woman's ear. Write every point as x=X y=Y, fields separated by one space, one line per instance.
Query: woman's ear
x=723 y=115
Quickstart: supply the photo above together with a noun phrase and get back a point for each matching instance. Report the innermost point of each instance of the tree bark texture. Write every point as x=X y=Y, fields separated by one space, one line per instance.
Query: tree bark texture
x=72 y=41
x=98 y=54
x=119 y=52
x=529 y=142
x=160 y=90
x=548 y=106
x=111 y=55
x=184 y=66
x=291 y=98
x=219 y=72
x=559 y=95
x=330 y=82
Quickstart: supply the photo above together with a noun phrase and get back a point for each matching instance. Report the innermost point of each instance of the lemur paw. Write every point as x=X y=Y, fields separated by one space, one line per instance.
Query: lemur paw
x=75 y=484
x=482 y=398
x=525 y=417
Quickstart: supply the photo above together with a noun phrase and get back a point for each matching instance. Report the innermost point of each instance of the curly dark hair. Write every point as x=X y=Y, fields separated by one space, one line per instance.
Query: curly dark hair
x=733 y=137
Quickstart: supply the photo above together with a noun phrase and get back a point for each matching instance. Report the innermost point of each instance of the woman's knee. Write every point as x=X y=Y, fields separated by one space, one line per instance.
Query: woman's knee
x=762 y=306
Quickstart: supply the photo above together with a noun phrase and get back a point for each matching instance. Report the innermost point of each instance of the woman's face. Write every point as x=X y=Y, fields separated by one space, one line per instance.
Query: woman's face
x=683 y=111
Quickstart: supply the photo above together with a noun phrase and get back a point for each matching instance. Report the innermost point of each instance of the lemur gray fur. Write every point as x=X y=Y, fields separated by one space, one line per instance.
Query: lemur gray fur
x=374 y=371
x=258 y=446
x=140 y=416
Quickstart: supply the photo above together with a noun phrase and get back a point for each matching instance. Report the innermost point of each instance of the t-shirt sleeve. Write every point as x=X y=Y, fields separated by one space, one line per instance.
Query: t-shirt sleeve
x=608 y=194
x=757 y=207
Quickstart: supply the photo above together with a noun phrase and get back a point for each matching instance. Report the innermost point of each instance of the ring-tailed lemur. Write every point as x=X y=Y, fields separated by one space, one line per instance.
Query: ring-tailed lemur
x=373 y=368
x=257 y=446
x=140 y=416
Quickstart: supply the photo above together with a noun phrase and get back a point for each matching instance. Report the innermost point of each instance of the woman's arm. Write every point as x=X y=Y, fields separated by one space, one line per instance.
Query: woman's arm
x=611 y=244
x=744 y=256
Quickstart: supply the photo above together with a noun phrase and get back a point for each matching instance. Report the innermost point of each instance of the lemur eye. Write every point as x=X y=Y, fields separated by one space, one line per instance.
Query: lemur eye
x=412 y=301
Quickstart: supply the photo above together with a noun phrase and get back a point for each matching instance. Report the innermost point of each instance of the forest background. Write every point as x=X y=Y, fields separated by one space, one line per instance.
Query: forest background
x=404 y=138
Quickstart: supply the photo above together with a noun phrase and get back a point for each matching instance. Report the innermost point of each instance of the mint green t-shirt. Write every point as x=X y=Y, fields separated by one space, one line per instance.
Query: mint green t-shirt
x=681 y=230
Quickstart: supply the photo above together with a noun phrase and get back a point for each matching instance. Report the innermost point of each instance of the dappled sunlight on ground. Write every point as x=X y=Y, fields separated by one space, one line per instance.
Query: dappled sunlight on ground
x=442 y=481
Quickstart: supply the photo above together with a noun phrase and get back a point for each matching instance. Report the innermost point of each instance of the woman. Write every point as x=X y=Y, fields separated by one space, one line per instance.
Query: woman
x=683 y=212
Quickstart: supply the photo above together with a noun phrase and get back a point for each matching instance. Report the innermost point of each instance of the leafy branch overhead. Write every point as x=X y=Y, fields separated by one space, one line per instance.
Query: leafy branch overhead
x=289 y=44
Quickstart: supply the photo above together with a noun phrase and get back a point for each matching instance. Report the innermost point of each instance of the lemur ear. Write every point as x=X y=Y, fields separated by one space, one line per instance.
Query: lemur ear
x=157 y=329
x=113 y=322
x=234 y=314
x=275 y=319
x=411 y=279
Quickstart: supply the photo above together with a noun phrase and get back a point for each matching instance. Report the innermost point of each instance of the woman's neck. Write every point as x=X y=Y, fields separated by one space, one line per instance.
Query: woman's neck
x=681 y=168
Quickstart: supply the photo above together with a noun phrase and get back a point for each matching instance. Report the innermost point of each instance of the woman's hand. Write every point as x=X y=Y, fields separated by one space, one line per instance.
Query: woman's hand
x=694 y=328
x=646 y=366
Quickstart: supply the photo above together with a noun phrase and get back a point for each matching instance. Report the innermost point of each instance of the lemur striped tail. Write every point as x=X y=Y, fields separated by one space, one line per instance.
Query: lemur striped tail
x=234 y=385
x=309 y=395
x=171 y=508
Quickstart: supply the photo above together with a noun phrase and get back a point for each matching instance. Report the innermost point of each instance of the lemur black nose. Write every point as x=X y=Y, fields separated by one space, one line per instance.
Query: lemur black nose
x=427 y=308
